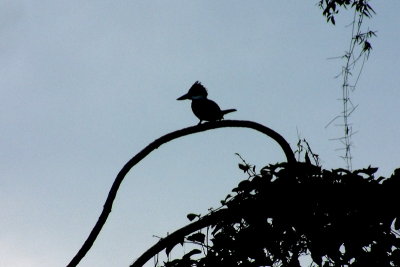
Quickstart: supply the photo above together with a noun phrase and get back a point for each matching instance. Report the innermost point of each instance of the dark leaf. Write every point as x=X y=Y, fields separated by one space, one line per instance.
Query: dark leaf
x=380 y=179
x=367 y=46
x=197 y=237
x=396 y=256
x=333 y=20
x=368 y=171
x=316 y=258
x=192 y=216
x=244 y=185
x=217 y=227
x=191 y=253
x=243 y=167
x=169 y=248
x=397 y=223
x=173 y=263
x=307 y=158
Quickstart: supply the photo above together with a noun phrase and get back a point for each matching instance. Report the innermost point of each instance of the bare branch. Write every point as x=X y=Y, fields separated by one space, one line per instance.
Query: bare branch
x=154 y=145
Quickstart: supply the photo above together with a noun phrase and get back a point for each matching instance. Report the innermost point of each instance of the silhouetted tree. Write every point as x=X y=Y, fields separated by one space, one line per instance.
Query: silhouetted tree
x=337 y=217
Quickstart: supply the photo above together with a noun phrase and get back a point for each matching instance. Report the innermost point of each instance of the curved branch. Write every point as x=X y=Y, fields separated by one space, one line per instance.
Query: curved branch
x=154 y=145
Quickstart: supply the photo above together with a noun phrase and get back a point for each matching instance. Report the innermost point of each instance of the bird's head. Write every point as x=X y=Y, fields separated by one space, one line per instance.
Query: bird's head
x=197 y=91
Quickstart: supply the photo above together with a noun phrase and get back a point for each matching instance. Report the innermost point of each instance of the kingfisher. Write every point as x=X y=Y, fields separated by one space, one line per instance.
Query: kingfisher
x=204 y=108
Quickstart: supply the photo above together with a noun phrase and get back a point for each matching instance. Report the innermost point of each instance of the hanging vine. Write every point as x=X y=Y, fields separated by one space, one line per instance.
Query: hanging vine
x=354 y=60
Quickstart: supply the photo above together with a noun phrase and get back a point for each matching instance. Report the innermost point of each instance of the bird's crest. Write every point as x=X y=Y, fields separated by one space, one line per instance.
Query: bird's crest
x=198 y=89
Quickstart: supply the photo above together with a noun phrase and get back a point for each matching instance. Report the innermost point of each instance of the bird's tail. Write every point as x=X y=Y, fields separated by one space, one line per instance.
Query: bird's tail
x=226 y=111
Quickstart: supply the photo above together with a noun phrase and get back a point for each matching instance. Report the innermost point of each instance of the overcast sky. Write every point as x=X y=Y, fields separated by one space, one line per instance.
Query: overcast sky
x=85 y=85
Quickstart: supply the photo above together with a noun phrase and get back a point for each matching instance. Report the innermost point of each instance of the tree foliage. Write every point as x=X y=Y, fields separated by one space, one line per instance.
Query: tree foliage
x=331 y=8
x=337 y=217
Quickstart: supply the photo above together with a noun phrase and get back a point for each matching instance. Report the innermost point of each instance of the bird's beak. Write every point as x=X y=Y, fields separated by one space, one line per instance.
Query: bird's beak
x=185 y=96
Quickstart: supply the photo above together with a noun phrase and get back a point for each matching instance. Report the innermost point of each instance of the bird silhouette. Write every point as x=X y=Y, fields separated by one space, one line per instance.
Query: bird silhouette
x=204 y=108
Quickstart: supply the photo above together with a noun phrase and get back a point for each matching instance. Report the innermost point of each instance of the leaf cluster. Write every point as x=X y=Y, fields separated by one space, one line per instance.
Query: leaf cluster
x=336 y=217
x=331 y=8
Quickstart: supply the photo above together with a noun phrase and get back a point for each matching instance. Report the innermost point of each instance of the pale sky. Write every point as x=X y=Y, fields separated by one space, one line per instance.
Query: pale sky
x=85 y=85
